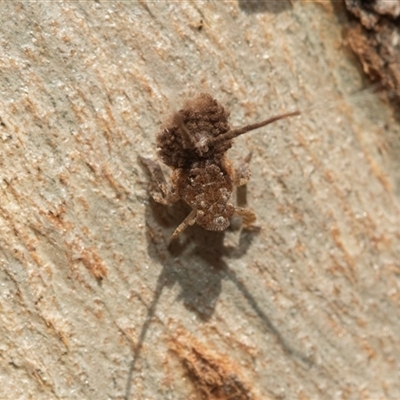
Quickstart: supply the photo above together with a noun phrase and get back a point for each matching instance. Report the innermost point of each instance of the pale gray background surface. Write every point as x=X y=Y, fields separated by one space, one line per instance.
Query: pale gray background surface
x=306 y=309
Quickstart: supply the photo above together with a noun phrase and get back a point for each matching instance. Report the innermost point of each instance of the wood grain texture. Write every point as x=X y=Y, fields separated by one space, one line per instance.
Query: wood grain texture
x=93 y=303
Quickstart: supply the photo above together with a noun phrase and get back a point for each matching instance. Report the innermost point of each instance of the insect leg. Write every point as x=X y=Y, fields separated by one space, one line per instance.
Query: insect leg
x=243 y=174
x=159 y=189
x=188 y=221
x=247 y=215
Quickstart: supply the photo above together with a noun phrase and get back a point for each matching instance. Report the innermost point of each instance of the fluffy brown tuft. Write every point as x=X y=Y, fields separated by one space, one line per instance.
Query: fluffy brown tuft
x=200 y=120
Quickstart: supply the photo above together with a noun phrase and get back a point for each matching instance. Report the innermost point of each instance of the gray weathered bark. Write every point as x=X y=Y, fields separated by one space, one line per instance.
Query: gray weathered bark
x=93 y=303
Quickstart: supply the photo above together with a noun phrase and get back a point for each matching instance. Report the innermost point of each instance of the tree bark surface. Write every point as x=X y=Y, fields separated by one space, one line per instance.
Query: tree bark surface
x=95 y=305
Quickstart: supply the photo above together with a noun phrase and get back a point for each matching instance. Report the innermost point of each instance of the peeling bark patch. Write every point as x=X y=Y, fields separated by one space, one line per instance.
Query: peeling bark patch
x=376 y=42
x=213 y=376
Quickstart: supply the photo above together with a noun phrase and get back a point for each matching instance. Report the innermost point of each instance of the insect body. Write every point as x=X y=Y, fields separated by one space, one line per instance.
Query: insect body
x=194 y=143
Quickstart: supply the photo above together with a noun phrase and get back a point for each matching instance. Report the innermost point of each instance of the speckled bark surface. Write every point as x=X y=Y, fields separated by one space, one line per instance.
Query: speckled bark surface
x=94 y=305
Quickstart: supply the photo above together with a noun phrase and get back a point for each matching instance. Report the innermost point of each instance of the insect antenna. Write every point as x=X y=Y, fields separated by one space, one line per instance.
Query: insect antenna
x=188 y=140
x=233 y=133
x=240 y=131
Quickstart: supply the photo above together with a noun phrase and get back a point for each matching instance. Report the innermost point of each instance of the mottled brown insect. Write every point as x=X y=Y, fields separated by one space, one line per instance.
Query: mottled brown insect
x=194 y=143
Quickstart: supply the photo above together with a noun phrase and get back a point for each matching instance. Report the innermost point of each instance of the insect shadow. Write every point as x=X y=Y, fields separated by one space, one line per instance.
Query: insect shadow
x=198 y=263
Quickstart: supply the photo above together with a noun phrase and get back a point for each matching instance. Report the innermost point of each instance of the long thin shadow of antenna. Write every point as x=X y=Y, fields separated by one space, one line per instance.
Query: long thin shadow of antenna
x=287 y=348
x=136 y=349
x=270 y=327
